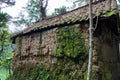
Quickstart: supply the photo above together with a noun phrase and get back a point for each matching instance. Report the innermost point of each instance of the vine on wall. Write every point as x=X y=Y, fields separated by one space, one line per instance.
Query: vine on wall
x=70 y=42
x=64 y=69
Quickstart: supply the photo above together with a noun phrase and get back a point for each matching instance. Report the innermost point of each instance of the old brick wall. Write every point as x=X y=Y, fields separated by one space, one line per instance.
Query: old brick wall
x=48 y=41
x=29 y=47
x=40 y=47
x=109 y=58
x=105 y=54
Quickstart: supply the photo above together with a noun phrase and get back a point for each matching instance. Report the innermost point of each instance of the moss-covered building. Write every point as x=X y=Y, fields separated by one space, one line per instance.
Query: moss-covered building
x=57 y=48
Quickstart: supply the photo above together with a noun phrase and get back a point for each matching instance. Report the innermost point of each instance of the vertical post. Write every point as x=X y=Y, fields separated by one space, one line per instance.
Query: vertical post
x=90 y=41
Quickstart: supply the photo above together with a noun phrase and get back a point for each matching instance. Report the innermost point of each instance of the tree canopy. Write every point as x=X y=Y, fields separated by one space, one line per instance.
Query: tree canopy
x=6 y=47
x=36 y=12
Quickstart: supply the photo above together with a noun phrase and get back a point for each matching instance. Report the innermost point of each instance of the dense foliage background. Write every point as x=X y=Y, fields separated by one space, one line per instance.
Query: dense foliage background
x=6 y=47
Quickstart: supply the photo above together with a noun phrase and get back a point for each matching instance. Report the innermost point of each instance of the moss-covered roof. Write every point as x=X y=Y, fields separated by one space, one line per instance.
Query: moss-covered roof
x=104 y=8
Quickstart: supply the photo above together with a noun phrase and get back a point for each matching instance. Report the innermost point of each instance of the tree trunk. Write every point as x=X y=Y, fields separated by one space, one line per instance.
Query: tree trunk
x=42 y=13
x=90 y=41
x=43 y=8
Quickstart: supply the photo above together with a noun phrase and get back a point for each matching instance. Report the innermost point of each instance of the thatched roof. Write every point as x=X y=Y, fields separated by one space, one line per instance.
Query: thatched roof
x=102 y=8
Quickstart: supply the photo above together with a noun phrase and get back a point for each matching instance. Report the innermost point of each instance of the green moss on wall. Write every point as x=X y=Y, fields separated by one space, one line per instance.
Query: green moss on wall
x=19 y=45
x=70 y=42
x=64 y=69
x=110 y=13
x=40 y=42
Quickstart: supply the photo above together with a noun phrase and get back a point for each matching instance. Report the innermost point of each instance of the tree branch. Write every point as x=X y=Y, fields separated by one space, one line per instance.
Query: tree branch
x=8 y=2
x=46 y=4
